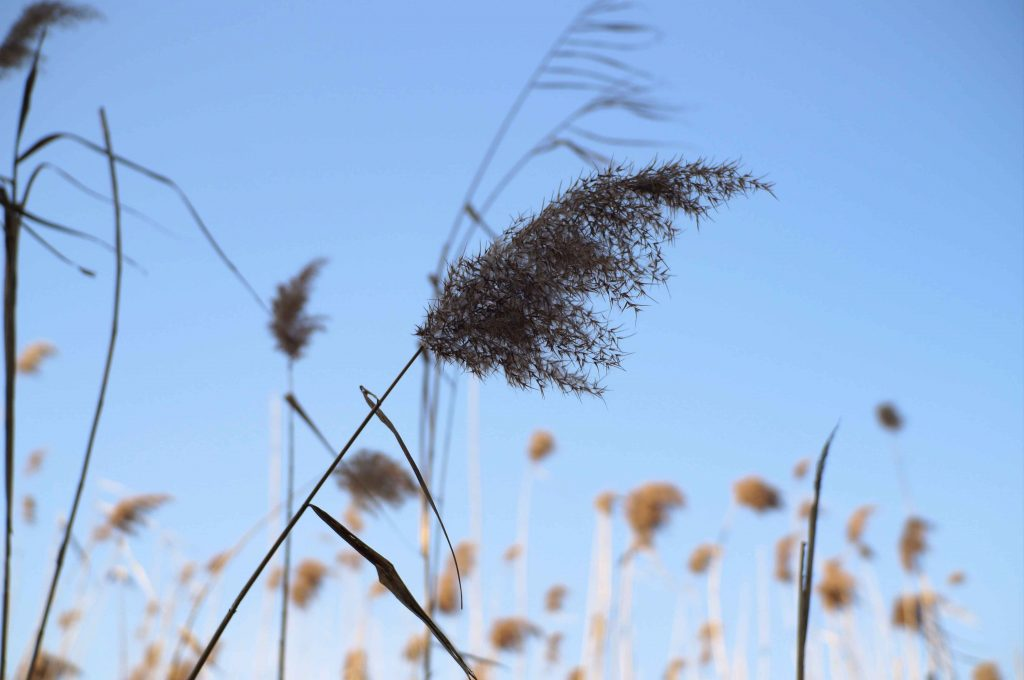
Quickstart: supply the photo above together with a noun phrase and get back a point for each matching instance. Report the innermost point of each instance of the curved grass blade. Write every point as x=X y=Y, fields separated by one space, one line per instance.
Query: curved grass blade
x=372 y=401
x=388 y=577
x=56 y=253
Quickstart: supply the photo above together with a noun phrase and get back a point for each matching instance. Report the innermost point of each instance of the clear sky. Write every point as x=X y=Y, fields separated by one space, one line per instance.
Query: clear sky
x=889 y=267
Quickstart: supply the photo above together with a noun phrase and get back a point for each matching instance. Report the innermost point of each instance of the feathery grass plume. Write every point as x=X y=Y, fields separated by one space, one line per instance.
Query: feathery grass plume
x=188 y=570
x=956 y=578
x=129 y=513
x=675 y=669
x=376 y=590
x=986 y=671
x=554 y=598
x=355 y=667
x=888 y=417
x=605 y=502
x=700 y=558
x=28 y=509
x=448 y=586
x=35 y=461
x=542 y=444
x=804 y=510
x=309 y=576
x=179 y=670
x=51 y=667
x=274 y=578
x=147 y=665
x=32 y=357
x=801 y=468
x=528 y=305
x=291 y=325
x=69 y=618
x=373 y=478
x=510 y=634
x=913 y=543
x=647 y=510
x=784 y=558
x=20 y=41
x=837 y=587
x=855 y=529
x=512 y=553
x=707 y=634
x=219 y=561
x=416 y=647
x=756 y=494
x=349 y=559
x=353 y=517
x=577 y=673
x=909 y=611
x=553 y=648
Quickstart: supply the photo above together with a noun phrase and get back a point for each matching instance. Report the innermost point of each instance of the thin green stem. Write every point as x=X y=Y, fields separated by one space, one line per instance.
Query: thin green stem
x=282 y=642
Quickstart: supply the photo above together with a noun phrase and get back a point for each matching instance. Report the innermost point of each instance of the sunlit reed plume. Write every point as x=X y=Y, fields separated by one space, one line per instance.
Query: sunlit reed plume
x=510 y=634
x=291 y=325
x=51 y=667
x=836 y=587
x=554 y=598
x=647 y=510
x=353 y=518
x=309 y=576
x=147 y=666
x=801 y=468
x=35 y=461
x=542 y=444
x=754 y=493
x=32 y=357
x=605 y=502
x=129 y=514
x=188 y=570
x=217 y=563
x=274 y=578
x=354 y=667
x=577 y=673
x=913 y=543
x=909 y=611
x=349 y=559
x=888 y=417
x=530 y=305
x=28 y=509
x=21 y=39
x=448 y=586
x=512 y=553
x=700 y=558
x=373 y=478
x=416 y=647
x=804 y=509
x=956 y=578
x=67 y=619
x=855 y=528
x=553 y=648
x=784 y=558
x=707 y=634
x=376 y=590
x=986 y=671
x=675 y=668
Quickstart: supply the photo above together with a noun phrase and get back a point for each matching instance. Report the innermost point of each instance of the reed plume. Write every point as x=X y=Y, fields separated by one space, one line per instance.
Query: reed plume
x=274 y=577
x=956 y=578
x=986 y=670
x=128 y=514
x=647 y=510
x=784 y=558
x=910 y=611
x=801 y=468
x=754 y=493
x=290 y=324
x=700 y=558
x=707 y=635
x=855 y=529
x=553 y=648
x=577 y=673
x=32 y=357
x=35 y=461
x=309 y=576
x=512 y=553
x=889 y=417
x=372 y=478
x=51 y=667
x=28 y=509
x=836 y=587
x=354 y=667
x=675 y=668
x=554 y=598
x=913 y=543
x=147 y=666
x=605 y=502
x=416 y=647
x=67 y=619
x=20 y=41
x=510 y=634
x=527 y=305
x=448 y=587
x=349 y=559
x=542 y=444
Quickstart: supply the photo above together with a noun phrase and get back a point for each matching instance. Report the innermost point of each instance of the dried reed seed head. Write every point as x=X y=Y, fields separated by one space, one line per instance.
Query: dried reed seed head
x=510 y=634
x=804 y=510
x=909 y=611
x=69 y=618
x=837 y=587
x=577 y=673
x=913 y=543
x=448 y=592
x=188 y=570
x=538 y=303
x=373 y=478
x=118 y=574
x=376 y=590
x=349 y=559
x=353 y=518
x=416 y=647
x=956 y=578
x=128 y=514
x=784 y=558
x=52 y=667
x=146 y=668
x=20 y=41
x=553 y=648
x=274 y=577
x=189 y=639
x=648 y=508
x=756 y=494
x=35 y=461
x=309 y=576
x=801 y=468
x=986 y=671
x=605 y=502
x=465 y=553
x=152 y=608
x=355 y=666
x=28 y=509
x=32 y=357
x=554 y=598
x=179 y=670
x=291 y=325
x=706 y=636
x=675 y=668
x=542 y=444
x=856 y=524
x=700 y=558
x=888 y=417
x=219 y=561
x=512 y=552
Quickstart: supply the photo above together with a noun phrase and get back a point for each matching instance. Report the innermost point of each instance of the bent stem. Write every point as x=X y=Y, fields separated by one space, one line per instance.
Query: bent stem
x=282 y=645
x=201 y=661
x=98 y=412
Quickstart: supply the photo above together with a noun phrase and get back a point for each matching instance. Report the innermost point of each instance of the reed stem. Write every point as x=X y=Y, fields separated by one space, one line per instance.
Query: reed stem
x=282 y=643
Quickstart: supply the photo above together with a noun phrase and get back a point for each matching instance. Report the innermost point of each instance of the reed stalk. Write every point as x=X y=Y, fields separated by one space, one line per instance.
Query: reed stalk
x=282 y=642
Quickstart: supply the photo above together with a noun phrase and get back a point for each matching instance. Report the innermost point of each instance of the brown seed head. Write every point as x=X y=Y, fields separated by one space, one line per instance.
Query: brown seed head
x=784 y=558
x=909 y=611
x=146 y=668
x=913 y=543
x=538 y=303
x=354 y=667
x=577 y=673
x=69 y=618
x=353 y=518
x=510 y=634
x=648 y=507
x=128 y=514
x=309 y=576
x=888 y=417
x=986 y=671
x=376 y=590
x=291 y=325
x=706 y=635
x=188 y=570
x=756 y=494
x=28 y=509
x=35 y=461
x=836 y=587
x=51 y=667
x=804 y=511
x=675 y=668
x=219 y=561
x=956 y=578
x=373 y=478
x=20 y=42
x=700 y=558
x=542 y=444
x=416 y=647
x=33 y=356
x=553 y=648
x=554 y=598
x=856 y=524
x=512 y=552
x=349 y=559
x=801 y=468
x=605 y=502
x=274 y=577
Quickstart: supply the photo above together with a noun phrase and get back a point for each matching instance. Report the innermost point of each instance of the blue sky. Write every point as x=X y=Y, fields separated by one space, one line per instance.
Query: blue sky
x=889 y=267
